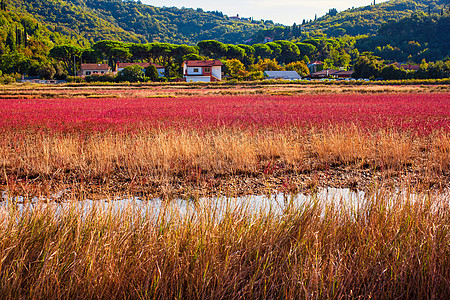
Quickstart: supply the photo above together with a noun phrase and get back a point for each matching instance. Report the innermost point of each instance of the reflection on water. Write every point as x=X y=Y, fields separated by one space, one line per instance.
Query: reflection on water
x=343 y=198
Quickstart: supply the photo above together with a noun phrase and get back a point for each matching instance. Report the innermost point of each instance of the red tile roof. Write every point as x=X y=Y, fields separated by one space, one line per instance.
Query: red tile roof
x=203 y=63
x=143 y=65
x=406 y=66
x=94 y=67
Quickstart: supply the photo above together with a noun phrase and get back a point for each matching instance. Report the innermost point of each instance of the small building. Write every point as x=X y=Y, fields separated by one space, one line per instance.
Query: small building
x=159 y=68
x=40 y=81
x=406 y=67
x=89 y=69
x=344 y=74
x=330 y=73
x=202 y=70
x=235 y=18
x=267 y=40
x=286 y=75
x=315 y=66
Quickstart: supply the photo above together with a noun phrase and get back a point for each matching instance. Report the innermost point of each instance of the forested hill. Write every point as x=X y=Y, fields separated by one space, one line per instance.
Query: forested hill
x=356 y=21
x=89 y=21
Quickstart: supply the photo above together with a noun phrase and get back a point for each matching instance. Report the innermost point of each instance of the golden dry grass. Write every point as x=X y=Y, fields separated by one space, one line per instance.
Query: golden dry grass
x=192 y=156
x=390 y=246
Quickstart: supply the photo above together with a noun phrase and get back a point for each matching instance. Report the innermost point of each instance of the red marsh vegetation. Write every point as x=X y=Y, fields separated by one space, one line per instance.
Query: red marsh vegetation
x=390 y=246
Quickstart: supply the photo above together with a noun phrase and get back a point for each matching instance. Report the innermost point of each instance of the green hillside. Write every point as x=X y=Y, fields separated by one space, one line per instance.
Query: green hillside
x=368 y=19
x=364 y=20
x=130 y=21
x=420 y=36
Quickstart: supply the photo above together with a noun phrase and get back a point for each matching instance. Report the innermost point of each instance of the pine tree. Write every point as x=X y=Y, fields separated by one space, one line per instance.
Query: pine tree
x=10 y=41
x=25 y=38
x=18 y=37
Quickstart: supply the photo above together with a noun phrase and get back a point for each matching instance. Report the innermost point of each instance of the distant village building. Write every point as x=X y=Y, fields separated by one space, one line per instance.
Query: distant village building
x=268 y=39
x=406 y=67
x=159 y=68
x=235 y=18
x=40 y=81
x=202 y=70
x=315 y=66
x=330 y=73
x=89 y=69
x=286 y=75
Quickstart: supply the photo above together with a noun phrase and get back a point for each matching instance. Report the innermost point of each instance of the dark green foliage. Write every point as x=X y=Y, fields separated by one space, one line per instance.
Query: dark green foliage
x=151 y=73
x=10 y=41
x=212 y=49
x=364 y=20
x=306 y=49
x=393 y=72
x=414 y=38
x=179 y=52
x=368 y=66
x=46 y=72
x=236 y=52
x=113 y=51
x=131 y=74
x=193 y=56
x=276 y=49
x=249 y=57
x=262 y=51
x=131 y=21
x=100 y=78
x=289 y=52
x=66 y=54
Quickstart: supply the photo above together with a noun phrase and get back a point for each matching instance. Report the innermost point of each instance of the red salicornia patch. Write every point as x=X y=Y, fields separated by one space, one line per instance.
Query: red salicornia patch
x=418 y=113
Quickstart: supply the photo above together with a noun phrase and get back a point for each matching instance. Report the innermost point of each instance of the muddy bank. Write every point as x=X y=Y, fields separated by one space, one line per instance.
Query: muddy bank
x=212 y=185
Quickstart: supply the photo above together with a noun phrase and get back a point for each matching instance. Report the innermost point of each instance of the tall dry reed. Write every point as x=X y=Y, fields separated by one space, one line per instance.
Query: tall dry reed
x=389 y=246
x=171 y=153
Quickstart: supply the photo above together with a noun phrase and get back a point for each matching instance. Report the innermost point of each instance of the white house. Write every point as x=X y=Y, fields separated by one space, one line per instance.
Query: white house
x=160 y=69
x=89 y=69
x=202 y=70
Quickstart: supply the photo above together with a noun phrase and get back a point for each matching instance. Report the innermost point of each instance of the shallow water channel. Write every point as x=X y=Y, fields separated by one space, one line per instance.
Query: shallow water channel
x=275 y=204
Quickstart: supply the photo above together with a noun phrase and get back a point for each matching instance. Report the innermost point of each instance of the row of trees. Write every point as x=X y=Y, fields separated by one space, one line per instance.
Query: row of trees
x=172 y=56
x=370 y=66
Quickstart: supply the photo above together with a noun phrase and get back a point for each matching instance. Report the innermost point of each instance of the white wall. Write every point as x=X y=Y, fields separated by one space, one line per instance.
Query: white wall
x=216 y=71
x=198 y=78
x=190 y=70
x=95 y=72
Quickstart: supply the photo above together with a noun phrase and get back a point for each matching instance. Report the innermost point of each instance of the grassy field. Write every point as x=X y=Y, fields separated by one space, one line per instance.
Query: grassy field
x=193 y=141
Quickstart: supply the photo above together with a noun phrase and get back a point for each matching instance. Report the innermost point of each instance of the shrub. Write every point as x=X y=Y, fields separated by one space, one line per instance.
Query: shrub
x=131 y=74
x=151 y=73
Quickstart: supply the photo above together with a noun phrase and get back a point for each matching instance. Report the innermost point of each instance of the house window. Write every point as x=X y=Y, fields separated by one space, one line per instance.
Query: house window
x=103 y=72
x=195 y=70
x=207 y=70
x=88 y=72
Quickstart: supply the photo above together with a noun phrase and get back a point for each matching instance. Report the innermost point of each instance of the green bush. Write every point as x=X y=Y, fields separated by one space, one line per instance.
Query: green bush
x=151 y=73
x=100 y=78
x=7 y=79
x=76 y=79
x=131 y=74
